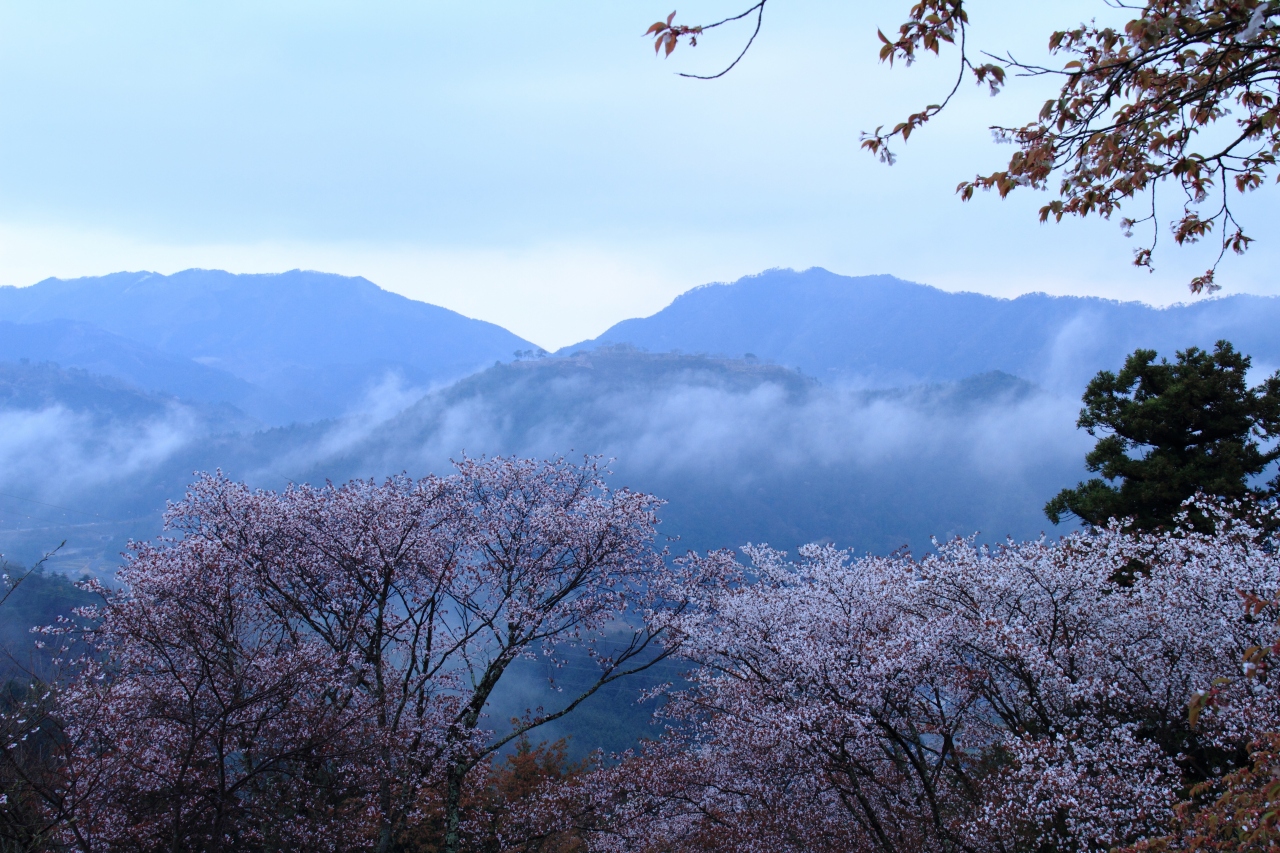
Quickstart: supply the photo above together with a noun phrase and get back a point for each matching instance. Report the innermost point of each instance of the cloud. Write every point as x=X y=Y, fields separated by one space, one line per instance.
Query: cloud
x=54 y=453
x=780 y=460
x=873 y=470
x=693 y=428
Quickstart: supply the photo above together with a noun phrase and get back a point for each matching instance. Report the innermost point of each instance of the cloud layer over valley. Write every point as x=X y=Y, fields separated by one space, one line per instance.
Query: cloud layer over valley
x=916 y=425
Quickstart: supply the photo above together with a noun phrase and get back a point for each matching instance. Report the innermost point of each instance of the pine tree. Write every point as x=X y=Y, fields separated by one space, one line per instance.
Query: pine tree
x=1171 y=430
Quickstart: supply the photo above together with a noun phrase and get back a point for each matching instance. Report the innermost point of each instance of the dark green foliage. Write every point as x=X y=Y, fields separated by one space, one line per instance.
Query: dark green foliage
x=29 y=764
x=1170 y=430
x=40 y=598
x=29 y=771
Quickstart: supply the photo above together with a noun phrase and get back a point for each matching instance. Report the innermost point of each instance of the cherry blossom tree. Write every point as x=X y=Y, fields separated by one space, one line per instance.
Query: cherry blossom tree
x=557 y=560
x=310 y=668
x=363 y=569
x=1241 y=810
x=1237 y=813
x=435 y=588
x=977 y=699
x=203 y=721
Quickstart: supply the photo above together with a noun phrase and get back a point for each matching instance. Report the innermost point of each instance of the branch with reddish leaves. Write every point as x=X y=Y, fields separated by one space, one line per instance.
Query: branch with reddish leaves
x=668 y=34
x=1186 y=94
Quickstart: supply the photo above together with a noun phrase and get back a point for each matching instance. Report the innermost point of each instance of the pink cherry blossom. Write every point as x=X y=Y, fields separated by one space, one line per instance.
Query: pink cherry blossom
x=978 y=699
x=308 y=669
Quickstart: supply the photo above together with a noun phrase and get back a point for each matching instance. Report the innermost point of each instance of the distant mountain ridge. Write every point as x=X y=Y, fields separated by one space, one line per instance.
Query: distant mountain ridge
x=882 y=331
x=746 y=451
x=84 y=346
x=743 y=451
x=313 y=343
x=870 y=410
x=302 y=346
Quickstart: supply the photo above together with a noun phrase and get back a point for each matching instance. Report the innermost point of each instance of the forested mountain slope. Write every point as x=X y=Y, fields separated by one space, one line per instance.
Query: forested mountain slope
x=751 y=452
x=89 y=459
x=914 y=413
x=84 y=346
x=881 y=331
x=315 y=344
x=741 y=451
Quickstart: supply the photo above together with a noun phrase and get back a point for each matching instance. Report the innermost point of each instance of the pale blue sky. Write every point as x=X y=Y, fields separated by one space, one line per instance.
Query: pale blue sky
x=528 y=163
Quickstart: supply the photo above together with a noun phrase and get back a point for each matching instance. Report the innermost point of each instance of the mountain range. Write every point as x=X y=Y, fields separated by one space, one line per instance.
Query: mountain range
x=787 y=407
x=880 y=331
x=296 y=346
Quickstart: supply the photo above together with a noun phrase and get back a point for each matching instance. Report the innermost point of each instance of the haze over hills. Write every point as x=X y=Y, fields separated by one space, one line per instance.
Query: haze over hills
x=84 y=346
x=915 y=413
x=87 y=458
x=312 y=344
x=972 y=427
x=741 y=451
x=880 y=331
x=750 y=452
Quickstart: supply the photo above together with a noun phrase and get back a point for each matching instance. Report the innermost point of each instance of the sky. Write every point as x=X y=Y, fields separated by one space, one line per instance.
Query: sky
x=532 y=164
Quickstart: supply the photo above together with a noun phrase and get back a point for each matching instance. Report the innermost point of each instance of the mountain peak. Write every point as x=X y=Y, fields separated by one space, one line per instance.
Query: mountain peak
x=882 y=331
x=312 y=342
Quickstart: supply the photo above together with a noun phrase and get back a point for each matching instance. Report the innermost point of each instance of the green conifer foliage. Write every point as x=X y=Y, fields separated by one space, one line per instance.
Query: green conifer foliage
x=1170 y=430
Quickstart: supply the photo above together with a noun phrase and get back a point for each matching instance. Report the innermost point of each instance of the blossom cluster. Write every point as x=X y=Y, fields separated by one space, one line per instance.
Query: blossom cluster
x=309 y=669
x=1028 y=696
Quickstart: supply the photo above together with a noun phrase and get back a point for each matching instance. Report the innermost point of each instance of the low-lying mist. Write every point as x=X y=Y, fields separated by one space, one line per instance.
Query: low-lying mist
x=742 y=452
x=747 y=452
